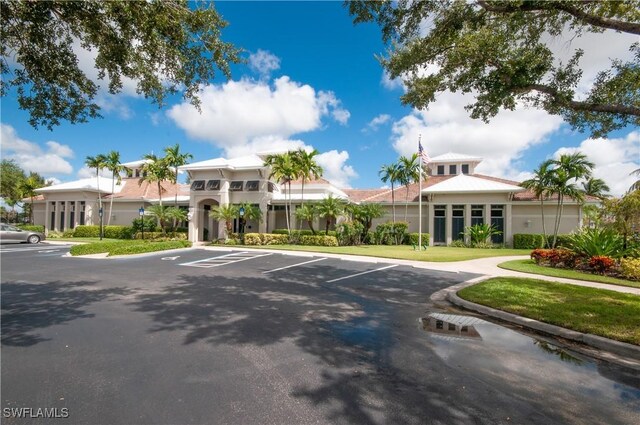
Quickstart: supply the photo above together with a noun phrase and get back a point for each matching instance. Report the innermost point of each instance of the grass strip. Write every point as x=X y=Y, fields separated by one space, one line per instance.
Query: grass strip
x=126 y=247
x=529 y=266
x=405 y=252
x=601 y=312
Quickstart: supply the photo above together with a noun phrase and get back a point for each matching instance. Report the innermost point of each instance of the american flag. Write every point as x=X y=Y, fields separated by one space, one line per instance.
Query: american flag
x=423 y=154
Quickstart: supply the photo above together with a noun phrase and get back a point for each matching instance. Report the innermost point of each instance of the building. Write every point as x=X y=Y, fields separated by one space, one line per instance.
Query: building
x=454 y=196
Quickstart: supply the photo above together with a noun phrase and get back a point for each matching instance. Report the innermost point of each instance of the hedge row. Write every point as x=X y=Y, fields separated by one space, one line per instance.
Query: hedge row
x=412 y=238
x=126 y=247
x=31 y=227
x=303 y=232
x=535 y=240
x=160 y=235
x=109 y=232
x=280 y=239
x=265 y=239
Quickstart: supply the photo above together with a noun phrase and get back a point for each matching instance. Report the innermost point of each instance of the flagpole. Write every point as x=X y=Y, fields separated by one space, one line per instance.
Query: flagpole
x=420 y=198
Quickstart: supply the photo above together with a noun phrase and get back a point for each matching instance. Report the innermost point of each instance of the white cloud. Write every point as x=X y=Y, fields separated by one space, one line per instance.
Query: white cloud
x=614 y=159
x=390 y=84
x=264 y=63
x=237 y=112
x=52 y=180
x=31 y=156
x=447 y=127
x=375 y=123
x=86 y=172
x=335 y=168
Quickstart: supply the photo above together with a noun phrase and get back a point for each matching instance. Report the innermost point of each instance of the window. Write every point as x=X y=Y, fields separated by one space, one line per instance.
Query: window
x=453 y=169
x=197 y=185
x=441 y=170
x=439 y=324
x=236 y=186
x=452 y=327
x=465 y=168
x=477 y=214
x=252 y=186
x=213 y=185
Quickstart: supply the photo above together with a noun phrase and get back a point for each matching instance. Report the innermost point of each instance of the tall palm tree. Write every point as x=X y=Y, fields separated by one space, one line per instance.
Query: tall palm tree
x=156 y=170
x=636 y=185
x=306 y=166
x=595 y=187
x=284 y=170
x=175 y=159
x=307 y=213
x=28 y=188
x=112 y=163
x=226 y=213
x=330 y=208
x=569 y=169
x=409 y=172
x=540 y=185
x=390 y=173
x=98 y=162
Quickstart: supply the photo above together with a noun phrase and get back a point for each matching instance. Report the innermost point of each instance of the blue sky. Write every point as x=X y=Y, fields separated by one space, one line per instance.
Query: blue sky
x=312 y=79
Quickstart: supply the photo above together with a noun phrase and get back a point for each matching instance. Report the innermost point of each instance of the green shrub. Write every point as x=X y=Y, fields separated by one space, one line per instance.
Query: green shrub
x=390 y=233
x=596 y=242
x=31 y=227
x=150 y=224
x=86 y=232
x=96 y=247
x=67 y=233
x=528 y=241
x=458 y=244
x=319 y=240
x=479 y=234
x=253 y=239
x=139 y=248
x=117 y=232
x=271 y=239
x=412 y=239
x=54 y=234
x=562 y=241
x=349 y=233
x=303 y=232
x=182 y=230
x=630 y=268
x=155 y=236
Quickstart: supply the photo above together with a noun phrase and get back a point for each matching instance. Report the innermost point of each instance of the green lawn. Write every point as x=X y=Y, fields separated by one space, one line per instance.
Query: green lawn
x=597 y=311
x=405 y=252
x=529 y=266
x=82 y=239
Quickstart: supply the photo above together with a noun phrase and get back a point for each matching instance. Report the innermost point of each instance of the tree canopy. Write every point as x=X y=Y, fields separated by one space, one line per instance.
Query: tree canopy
x=166 y=47
x=498 y=50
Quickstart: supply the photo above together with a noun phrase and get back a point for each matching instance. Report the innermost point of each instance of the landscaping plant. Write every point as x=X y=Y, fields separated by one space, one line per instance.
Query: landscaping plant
x=478 y=234
x=597 y=241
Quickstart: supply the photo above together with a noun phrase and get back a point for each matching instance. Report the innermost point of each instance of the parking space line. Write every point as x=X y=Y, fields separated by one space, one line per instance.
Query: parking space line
x=294 y=265
x=209 y=259
x=361 y=273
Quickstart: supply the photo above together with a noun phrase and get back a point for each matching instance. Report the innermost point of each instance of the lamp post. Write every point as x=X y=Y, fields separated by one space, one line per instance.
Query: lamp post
x=100 y=214
x=141 y=213
x=241 y=212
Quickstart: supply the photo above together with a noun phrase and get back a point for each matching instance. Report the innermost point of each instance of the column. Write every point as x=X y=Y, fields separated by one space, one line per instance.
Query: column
x=430 y=218
x=67 y=215
x=487 y=216
x=467 y=221
x=449 y=224
x=262 y=225
x=507 y=225
x=56 y=217
x=47 y=216
x=76 y=214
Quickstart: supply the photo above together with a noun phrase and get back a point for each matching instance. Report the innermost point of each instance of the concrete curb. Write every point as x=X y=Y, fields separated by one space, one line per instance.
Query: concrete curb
x=616 y=347
x=103 y=255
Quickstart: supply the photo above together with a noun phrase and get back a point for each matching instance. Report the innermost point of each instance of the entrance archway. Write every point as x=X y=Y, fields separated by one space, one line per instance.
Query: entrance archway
x=205 y=226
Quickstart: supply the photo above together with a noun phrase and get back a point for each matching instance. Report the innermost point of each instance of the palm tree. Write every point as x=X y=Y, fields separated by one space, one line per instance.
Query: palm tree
x=251 y=212
x=156 y=170
x=161 y=213
x=595 y=187
x=284 y=170
x=175 y=159
x=176 y=215
x=390 y=173
x=636 y=185
x=307 y=168
x=226 y=213
x=569 y=169
x=540 y=185
x=330 y=208
x=409 y=172
x=308 y=213
x=28 y=188
x=112 y=163
x=97 y=162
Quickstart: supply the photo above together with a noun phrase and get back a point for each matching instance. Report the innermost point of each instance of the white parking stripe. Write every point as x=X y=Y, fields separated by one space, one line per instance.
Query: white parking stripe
x=209 y=259
x=360 y=274
x=294 y=265
x=35 y=248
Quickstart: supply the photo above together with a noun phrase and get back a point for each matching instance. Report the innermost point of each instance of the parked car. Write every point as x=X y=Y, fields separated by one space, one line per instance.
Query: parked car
x=10 y=233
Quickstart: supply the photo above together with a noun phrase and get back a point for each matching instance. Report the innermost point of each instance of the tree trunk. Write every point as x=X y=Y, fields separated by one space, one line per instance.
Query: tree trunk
x=326 y=230
x=406 y=203
x=310 y=223
x=544 y=227
x=113 y=184
x=393 y=203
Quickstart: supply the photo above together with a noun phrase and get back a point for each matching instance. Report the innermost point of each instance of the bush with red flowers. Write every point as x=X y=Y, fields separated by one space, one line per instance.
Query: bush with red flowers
x=601 y=263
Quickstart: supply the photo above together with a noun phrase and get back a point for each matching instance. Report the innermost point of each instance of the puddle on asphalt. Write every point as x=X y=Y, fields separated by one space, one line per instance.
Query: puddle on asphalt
x=499 y=353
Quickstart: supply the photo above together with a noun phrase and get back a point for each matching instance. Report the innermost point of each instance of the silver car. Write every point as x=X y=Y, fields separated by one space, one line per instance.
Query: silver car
x=10 y=233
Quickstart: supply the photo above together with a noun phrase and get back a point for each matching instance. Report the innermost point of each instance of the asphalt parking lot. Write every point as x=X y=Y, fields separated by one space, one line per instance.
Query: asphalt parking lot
x=203 y=337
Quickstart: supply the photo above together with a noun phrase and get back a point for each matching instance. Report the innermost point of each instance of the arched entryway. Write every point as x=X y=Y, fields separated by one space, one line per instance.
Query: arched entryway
x=204 y=226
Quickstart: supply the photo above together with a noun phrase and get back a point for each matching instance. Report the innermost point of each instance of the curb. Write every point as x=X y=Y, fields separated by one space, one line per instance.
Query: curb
x=615 y=347
x=103 y=255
